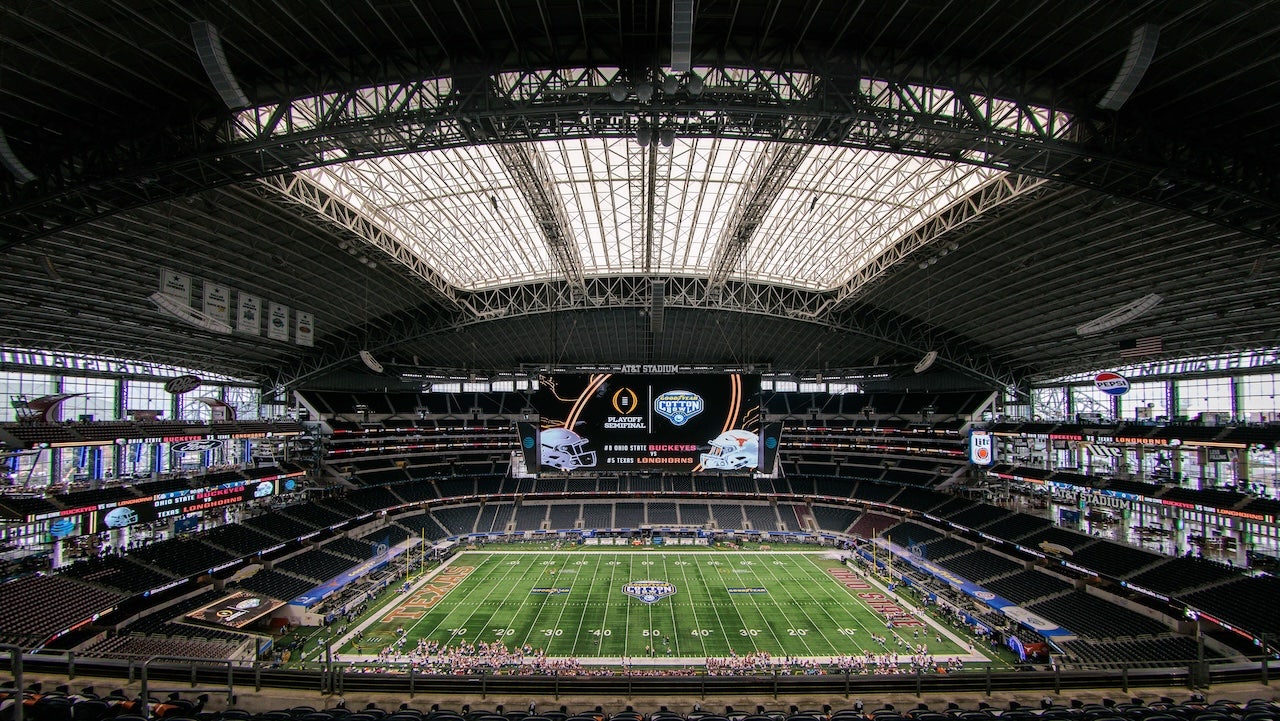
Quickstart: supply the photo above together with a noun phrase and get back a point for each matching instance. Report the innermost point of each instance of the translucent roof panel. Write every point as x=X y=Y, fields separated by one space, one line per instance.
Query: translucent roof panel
x=465 y=214
x=843 y=208
x=456 y=208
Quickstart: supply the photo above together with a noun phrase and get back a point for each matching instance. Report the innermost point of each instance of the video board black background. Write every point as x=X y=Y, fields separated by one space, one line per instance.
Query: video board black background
x=589 y=404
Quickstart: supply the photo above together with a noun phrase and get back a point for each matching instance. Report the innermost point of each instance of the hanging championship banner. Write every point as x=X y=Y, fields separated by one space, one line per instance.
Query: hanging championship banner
x=217 y=301
x=304 y=330
x=249 y=316
x=278 y=321
x=176 y=285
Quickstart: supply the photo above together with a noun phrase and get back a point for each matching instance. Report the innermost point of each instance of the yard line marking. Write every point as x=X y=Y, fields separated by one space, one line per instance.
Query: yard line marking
x=466 y=623
x=729 y=640
x=585 y=605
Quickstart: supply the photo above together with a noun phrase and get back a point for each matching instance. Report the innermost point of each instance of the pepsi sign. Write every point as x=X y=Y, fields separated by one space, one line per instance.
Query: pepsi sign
x=182 y=384
x=1113 y=384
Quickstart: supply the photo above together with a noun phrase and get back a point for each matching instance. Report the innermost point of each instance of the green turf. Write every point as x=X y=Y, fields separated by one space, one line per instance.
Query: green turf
x=803 y=611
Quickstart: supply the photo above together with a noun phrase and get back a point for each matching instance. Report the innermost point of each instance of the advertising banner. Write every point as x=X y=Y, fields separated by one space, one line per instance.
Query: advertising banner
x=277 y=321
x=217 y=301
x=249 y=316
x=982 y=449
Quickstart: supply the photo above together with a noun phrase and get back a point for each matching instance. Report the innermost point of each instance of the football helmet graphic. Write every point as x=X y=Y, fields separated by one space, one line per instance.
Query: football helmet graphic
x=119 y=517
x=566 y=450
x=733 y=449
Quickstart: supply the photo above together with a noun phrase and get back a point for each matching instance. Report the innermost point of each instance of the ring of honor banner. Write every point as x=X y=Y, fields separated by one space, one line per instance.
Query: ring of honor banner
x=217 y=301
x=277 y=321
x=304 y=330
x=627 y=422
x=176 y=284
x=249 y=318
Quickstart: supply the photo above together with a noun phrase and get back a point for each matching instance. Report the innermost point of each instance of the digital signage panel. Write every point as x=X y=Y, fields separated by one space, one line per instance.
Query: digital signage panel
x=648 y=422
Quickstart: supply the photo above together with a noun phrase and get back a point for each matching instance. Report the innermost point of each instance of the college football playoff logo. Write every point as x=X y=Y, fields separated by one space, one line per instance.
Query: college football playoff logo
x=649 y=591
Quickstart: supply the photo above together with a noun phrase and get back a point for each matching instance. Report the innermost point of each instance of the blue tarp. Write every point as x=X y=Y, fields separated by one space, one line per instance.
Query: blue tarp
x=319 y=593
x=1036 y=623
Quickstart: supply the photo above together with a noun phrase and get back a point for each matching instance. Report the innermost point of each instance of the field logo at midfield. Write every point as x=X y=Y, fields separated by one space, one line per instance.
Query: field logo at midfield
x=649 y=591
x=678 y=406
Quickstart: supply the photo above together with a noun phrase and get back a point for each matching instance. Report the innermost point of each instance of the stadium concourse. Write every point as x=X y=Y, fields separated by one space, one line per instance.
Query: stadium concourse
x=776 y=353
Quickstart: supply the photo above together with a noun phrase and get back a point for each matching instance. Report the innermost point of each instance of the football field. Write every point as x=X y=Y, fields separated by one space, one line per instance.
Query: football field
x=659 y=604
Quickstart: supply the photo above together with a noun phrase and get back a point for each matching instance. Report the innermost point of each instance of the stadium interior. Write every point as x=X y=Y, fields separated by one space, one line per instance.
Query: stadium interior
x=328 y=330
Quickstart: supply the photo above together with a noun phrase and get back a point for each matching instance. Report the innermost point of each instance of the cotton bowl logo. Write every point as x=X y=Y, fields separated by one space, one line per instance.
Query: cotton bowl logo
x=678 y=406
x=1113 y=384
x=649 y=591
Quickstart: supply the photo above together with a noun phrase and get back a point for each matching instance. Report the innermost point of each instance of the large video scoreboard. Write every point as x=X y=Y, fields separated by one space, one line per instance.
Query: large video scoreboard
x=650 y=422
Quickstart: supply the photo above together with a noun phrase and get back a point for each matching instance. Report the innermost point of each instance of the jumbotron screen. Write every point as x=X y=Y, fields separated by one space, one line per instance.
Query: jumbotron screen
x=649 y=422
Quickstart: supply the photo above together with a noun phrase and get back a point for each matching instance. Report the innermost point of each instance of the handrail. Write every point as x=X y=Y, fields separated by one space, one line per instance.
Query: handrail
x=19 y=685
x=976 y=681
x=193 y=664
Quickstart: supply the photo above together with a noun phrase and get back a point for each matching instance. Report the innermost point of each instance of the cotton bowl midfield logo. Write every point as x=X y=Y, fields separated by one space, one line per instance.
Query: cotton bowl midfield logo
x=649 y=591
x=678 y=406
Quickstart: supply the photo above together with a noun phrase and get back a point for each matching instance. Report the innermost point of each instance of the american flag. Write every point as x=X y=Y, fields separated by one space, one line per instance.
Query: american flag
x=1138 y=347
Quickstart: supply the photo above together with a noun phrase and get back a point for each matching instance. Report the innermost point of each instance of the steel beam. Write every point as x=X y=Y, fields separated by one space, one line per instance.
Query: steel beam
x=301 y=191
x=525 y=165
x=988 y=203
x=773 y=169
x=905 y=334
x=932 y=116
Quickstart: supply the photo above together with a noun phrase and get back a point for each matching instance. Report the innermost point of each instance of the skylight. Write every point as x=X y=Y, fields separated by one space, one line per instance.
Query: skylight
x=465 y=215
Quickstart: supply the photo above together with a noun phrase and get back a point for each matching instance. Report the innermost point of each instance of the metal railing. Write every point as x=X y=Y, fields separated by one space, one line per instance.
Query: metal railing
x=221 y=675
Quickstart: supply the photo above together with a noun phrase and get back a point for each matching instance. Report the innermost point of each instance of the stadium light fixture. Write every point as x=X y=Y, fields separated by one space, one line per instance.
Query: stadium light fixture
x=1119 y=316
x=695 y=85
x=173 y=307
x=926 y=362
x=16 y=168
x=370 y=362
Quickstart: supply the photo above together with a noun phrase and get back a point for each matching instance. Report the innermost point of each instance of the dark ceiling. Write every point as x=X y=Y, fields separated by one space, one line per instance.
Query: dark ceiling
x=107 y=104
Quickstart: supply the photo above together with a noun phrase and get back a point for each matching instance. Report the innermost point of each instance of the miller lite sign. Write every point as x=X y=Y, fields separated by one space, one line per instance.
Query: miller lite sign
x=982 y=451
